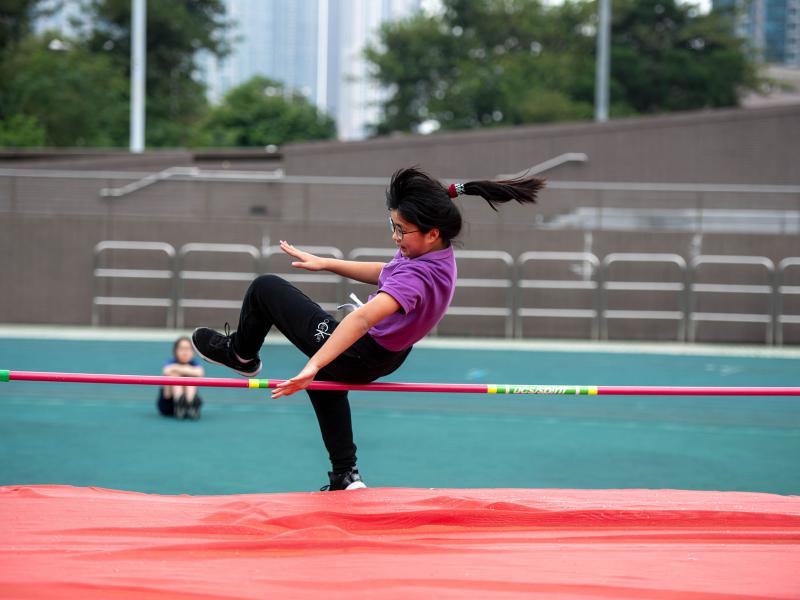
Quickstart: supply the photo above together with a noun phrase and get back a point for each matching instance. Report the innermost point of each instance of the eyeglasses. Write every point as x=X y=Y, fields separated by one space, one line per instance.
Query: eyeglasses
x=396 y=229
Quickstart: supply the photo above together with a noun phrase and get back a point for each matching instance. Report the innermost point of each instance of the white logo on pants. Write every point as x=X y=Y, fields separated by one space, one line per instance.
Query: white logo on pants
x=322 y=330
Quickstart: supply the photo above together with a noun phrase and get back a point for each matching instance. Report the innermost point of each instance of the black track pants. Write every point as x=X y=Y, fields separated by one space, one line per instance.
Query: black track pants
x=273 y=301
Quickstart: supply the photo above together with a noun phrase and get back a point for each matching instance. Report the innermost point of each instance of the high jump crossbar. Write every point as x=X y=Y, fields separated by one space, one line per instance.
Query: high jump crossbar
x=450 y=388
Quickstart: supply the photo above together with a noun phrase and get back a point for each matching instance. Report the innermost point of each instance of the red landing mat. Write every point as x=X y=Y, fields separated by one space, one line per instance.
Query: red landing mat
x=65 y=542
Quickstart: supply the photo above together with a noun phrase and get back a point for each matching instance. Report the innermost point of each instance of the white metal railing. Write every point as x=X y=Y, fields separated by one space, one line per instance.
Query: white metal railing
x=609 y=285
x=783 y=291
x=104 y=273
x=706 y=220
x=548 y=164
x=147 y=181
x=592 y=276
x=587 y=281
x=183 y=275
x=701 y=214
x=767 y=317
x=189 y=174
x=506 y=282
x=197 y=174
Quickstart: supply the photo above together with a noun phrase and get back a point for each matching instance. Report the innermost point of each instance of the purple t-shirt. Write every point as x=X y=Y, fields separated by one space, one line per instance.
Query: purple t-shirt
x=423 y=287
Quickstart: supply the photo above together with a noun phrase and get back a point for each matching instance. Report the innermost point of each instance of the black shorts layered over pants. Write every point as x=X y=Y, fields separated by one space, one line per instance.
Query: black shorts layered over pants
x=273 y=301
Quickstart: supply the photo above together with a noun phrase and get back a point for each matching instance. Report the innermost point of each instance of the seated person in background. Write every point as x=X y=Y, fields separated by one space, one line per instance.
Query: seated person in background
x=181 y=401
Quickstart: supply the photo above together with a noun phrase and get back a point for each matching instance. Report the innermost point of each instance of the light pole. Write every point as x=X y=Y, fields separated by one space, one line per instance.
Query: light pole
x=603 y=61
x=138 y=68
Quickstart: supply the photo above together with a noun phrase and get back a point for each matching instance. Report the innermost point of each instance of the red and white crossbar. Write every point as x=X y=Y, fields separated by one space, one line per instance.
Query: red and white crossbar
x=450 y=388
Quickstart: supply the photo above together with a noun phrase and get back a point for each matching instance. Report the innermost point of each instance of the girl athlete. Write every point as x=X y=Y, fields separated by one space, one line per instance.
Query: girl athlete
x=413 y=292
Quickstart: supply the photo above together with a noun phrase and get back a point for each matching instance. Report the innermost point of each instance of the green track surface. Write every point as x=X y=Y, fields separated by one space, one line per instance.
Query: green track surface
x=112 y=436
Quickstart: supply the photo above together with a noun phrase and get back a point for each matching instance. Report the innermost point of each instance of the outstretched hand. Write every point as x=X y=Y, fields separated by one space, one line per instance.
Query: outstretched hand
x=296 y=383
x=305 y=260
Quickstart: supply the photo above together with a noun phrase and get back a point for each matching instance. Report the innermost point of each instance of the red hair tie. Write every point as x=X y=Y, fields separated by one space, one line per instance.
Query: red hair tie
x=455 y=190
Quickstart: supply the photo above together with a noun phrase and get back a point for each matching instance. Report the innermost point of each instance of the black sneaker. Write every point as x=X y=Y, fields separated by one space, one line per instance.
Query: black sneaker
x=181 y=406
x=193 y=409
x=349 y=480
x=217 y=348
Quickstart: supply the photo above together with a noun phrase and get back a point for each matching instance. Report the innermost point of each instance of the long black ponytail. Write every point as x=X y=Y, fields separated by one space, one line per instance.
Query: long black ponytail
x=422 y=200
x=521 y=189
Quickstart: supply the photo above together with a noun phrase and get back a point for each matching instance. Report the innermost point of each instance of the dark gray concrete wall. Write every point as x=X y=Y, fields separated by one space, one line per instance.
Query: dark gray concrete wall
x=726 y=146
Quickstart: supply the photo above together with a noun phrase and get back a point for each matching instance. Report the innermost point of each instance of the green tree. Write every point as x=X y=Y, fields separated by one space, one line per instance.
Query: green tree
x=16 y=19
x=665 y=57
x=261 y=112
x=481 y=64
x=21 y=131
x=60 y=94
x=176 y=32
x=493 y=62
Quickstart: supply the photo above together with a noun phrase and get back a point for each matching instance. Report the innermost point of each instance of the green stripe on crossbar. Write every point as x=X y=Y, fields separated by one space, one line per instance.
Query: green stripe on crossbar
x=257 y=383
x=5 y=375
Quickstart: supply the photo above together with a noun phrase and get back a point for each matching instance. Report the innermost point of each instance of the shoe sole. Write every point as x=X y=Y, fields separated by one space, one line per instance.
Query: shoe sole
x=205 y=358
x=356 y=485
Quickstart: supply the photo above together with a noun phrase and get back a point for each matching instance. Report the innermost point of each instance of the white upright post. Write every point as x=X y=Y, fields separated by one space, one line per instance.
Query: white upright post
x=322 y=56
x=138 y=68
x=603 y=61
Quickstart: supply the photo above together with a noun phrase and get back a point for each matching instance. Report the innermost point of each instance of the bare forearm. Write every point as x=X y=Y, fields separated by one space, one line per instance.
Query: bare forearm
x=366 y=272
x=183 y=371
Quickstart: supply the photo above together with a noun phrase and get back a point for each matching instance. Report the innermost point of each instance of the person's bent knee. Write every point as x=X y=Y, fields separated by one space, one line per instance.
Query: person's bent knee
x=268 y=281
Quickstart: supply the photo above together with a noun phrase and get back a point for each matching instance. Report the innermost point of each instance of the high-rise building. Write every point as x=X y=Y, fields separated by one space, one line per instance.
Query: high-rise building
x=351 y=96
x=792 y=49
x=274 y=38
x=315 y=46
x=772 y=28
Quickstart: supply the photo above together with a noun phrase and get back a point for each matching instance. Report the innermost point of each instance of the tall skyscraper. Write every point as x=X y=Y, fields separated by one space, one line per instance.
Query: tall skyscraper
x=351 y=96
x=792 y=50
x=772 y=28
x=315 y=46
x=274 y=38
